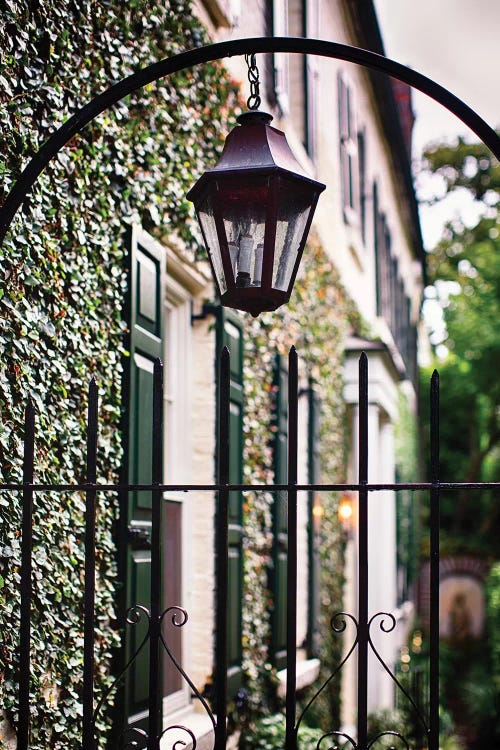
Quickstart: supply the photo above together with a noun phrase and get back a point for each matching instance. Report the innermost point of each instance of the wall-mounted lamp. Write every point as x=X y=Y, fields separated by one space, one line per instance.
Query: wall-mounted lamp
x=318 y=511
x=346 y=512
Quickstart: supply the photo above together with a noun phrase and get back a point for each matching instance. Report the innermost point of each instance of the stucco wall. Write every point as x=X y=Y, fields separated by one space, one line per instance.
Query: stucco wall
x=200 y=591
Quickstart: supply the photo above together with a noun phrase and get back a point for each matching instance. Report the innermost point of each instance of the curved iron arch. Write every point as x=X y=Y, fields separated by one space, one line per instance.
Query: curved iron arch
x=162 y=68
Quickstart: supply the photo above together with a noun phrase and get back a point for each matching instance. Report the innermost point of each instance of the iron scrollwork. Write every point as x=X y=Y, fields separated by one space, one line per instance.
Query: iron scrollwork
x=134 y=737
x=389 y=734
x=179 y=617
x=336 y=746
x=180 y=743
x=138 y=739
x=133 y=616
x=338 y=624
x=388 y=629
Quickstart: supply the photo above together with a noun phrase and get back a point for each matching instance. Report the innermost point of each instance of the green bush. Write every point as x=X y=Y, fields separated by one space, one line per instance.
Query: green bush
x=493 y=619
x=269 y=734
x=403 y=721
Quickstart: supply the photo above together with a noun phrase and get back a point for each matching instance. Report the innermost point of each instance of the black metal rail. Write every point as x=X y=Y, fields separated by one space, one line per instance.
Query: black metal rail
x=316 y=487
x=363 y=620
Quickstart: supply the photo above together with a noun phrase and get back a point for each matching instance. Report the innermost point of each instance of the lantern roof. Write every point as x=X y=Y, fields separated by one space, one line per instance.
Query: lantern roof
x=255 y=146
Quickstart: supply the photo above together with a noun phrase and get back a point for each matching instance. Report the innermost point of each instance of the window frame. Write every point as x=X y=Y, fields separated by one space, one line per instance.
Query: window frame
x=348 y=150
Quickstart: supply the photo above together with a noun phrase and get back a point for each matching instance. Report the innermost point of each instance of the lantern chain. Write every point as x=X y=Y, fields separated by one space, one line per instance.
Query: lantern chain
x=254 y=100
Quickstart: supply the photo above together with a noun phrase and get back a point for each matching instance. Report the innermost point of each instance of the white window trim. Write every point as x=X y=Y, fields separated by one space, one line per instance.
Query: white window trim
x=349 y=150
x=280 y=59
x=182 y=281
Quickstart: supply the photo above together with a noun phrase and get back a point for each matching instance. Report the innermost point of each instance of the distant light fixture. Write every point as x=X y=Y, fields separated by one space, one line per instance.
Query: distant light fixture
x=318 y=510
x=346 y=512
x=255 y=209
x=318 y=513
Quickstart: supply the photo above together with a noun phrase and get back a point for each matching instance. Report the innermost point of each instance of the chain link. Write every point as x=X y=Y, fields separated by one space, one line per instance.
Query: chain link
x=253 y=101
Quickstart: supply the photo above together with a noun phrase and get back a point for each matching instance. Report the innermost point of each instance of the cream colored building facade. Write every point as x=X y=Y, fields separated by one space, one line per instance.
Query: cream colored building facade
x=337 y=118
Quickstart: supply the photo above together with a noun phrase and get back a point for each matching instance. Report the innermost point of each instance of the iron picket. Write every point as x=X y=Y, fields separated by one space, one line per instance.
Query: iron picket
x=222 y=523
x=291 y=625
x=434 y=565
x=223 y=488
x=26 y=570
x=363 y=628
x=88 y=740
x=155 y=702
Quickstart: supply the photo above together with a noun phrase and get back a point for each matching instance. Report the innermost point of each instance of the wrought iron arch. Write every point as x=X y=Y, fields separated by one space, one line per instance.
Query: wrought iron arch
x=77 y=122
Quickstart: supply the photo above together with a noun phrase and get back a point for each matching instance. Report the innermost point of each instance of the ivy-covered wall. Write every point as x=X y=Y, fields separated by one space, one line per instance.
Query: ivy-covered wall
x=61 y=296
x=61 y=293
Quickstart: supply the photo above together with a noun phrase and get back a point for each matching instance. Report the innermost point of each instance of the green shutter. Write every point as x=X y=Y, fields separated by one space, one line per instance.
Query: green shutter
x=230 y=334
x=313 y=477
x=144 y=307
x=278 y=575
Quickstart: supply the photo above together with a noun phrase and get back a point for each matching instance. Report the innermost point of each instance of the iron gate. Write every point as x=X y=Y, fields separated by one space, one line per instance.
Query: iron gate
x=364 y=622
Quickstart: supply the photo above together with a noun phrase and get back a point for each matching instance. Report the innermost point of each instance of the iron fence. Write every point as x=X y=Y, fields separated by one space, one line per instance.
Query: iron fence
x=426 y=712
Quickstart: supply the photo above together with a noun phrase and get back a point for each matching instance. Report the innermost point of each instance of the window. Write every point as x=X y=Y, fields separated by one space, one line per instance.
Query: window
x=362 y=182
x=281 y=84
x=177 y=463
x=393 y=304
x=294 y=76
x=349 y=168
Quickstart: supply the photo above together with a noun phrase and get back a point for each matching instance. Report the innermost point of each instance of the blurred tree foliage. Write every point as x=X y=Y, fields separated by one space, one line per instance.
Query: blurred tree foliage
x=469 y=257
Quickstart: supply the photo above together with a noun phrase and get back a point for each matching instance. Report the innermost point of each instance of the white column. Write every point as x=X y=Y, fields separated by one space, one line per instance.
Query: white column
x=382 y=563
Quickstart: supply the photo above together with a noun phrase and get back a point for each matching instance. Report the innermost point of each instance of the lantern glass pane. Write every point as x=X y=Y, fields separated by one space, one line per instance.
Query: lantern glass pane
x=243 y=210
x=209 y=229
x=293 y=212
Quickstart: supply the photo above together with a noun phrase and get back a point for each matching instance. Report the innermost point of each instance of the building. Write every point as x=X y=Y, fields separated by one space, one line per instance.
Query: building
x=143 y=292
x=352 y=130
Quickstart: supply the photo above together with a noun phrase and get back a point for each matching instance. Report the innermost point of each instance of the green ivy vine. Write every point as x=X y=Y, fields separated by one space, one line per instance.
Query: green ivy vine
x=61 y=295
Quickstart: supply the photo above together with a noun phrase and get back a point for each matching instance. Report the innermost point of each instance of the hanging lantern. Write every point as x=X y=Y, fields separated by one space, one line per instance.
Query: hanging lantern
x=255 y=208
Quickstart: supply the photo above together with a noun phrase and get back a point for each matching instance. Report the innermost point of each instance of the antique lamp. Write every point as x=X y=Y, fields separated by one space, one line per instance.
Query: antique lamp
x=255 y=208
